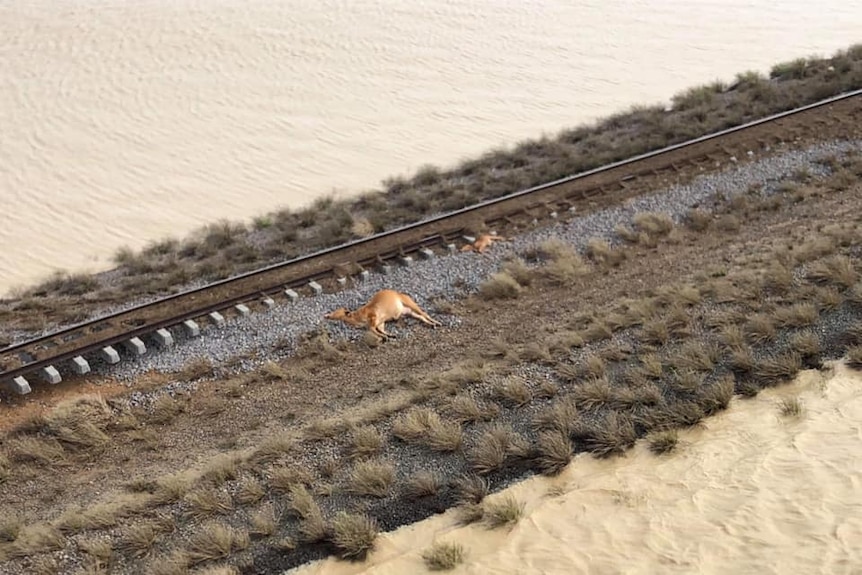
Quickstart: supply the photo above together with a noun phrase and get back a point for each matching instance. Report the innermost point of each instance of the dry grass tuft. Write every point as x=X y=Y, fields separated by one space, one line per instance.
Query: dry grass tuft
x=207 y=502
x=613 y=434
x=443 y=556
x=747 y=388
x=43 y=451
x=466 y=372
x=535 y=352
x=218 y=570
x=663 y=441
x=601 y=252
x=470 y=489
x=139 y=539
x=250 y=490
x=797 y=315
x=742 y=360
x=678 y=414
x=425 y=427
x=563 y=264
x=36 y=539
x=593 y=367
x=565 y=340
x=175 y=563
x=365 y=441
x=99 y=550
x=353 y=535
x=215 y=541
x=828 y=299
x=492 y=447
x=778 y=278
x=10 y=527
x=312 y=527
x=465 y=409
x=626 y=234
x=695 y=355
x=596 y=331
x=196 y=369
x=636 y=312
x=514 y=392
x=615 y=352
x=549 y=250
x=814 y=249
x=547 y=389
x=654 y=223
x=698 y=220
x=98 y=516
x=282 y=479
x=852 y=335
x=5 y=468
x=807 y=345
x=724 y=317
x=164 y=410
x=519 y=271
x=500 y=285
x=554 y=452
x=716 y=397
x=222 y=467
x=498 y=348
x=686 y=381
x=777 y=369
x=371 y=478
x=791 y=407
x=264 y=521
x=561 y=416
x=651 y=366
x=504 y=512
x=732 y=337
x=423 y=484
x=635 y=396
x=78 y=425
x=272 y=371
x=469 y=513
x=728 y=223
x=838 y=270
x=44 y=565
x=594 y=393
x=322 y=429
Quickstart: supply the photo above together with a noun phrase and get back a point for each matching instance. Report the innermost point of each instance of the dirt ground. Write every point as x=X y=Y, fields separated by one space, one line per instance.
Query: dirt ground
x=337 y=379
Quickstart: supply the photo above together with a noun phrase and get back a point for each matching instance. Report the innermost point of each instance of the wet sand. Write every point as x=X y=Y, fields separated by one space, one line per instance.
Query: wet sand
x=749 y=491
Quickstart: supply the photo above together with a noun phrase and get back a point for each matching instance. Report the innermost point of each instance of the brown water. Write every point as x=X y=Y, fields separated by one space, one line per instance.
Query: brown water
x=751 y=491
x=126 y=122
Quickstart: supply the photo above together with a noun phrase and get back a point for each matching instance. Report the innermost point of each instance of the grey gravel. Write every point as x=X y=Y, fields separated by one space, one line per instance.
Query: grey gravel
x=454 y=275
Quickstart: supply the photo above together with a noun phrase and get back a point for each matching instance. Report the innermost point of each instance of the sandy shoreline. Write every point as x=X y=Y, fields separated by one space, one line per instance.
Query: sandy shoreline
x=749 y=491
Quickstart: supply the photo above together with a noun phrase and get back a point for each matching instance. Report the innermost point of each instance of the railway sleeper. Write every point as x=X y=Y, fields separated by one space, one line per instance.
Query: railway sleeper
x=19 y=385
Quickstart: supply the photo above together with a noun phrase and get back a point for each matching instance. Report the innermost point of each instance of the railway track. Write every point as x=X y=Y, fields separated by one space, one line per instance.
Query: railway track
x=329 y=269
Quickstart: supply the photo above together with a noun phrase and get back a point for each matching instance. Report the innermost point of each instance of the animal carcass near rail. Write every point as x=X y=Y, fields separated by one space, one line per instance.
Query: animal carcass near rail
x=483 y=242
x=385 y=305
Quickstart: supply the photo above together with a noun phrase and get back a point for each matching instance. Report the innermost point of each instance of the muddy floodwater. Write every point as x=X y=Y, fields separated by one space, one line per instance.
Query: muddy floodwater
x=128 y=122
